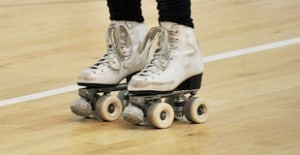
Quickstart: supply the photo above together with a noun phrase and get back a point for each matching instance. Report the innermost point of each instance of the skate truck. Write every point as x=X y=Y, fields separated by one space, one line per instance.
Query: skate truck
x=102 y=105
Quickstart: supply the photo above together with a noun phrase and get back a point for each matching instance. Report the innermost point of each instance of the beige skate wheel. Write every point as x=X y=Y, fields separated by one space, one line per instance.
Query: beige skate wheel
x=160 y=115
x=196 y=110
x=109 y=108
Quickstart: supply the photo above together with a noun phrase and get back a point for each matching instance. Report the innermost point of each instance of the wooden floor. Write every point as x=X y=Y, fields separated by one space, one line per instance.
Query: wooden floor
x=255 y=98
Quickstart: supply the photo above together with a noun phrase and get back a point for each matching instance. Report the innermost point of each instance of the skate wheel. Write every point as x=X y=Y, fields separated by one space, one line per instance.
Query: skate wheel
x=160 y=115
x=81 y=107
x=108 y=108
x=196 y=110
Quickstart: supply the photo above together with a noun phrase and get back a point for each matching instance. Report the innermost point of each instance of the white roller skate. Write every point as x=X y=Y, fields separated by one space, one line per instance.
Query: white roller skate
x=122 y=60
x=174 y=74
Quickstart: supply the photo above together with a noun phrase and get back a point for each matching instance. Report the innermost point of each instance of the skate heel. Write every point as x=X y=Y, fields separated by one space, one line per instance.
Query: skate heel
x=193 y=82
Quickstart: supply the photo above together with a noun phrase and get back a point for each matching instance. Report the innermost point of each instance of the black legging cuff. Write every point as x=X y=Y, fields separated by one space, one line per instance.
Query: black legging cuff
x=178 y=11
x=129 y=10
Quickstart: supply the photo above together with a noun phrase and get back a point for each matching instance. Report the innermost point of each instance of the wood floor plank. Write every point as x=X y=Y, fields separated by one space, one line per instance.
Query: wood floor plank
x=21 y=3
x=254 y=110
x=254 y=99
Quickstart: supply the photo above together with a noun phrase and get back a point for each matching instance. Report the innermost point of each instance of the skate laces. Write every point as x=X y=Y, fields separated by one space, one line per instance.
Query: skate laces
x=161 y=57
x=119 y=47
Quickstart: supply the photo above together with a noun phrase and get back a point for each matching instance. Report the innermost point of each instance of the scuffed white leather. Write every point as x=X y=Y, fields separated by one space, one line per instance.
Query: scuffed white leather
x=184 y=60
x=119 y=62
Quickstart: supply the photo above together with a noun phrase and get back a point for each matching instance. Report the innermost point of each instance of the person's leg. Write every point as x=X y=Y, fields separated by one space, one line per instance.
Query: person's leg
x=177 y=64
x=179 y=57
x=177 y=11
x=125 y=33
x=122 y=57
x=127 y=10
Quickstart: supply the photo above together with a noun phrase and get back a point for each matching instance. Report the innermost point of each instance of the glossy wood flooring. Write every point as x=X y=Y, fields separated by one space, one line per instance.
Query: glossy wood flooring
x=254 y=99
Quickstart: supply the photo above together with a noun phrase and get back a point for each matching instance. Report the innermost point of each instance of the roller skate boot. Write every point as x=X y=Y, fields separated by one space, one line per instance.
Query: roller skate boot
x=165 y=89
x=111 y=73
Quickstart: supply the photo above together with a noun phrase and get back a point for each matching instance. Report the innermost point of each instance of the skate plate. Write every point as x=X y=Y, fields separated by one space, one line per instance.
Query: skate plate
x=141 y=99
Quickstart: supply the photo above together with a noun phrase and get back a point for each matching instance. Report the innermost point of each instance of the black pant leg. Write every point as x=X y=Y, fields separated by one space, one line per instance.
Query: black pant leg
x=178 y=11
x=129 y=10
